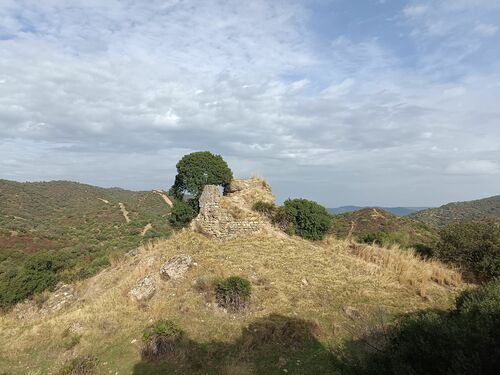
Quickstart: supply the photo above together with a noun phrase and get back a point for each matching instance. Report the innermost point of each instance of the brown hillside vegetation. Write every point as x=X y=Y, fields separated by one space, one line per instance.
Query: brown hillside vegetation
x=370 y=221
x=322 y=288
x=480 y=209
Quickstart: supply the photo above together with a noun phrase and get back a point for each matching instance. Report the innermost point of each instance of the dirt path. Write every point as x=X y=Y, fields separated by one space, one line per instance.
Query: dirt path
x=103 y=200
x=164 y=196
x=377 y=214
x=124 y=212
x=146 y=228
x=353 y=224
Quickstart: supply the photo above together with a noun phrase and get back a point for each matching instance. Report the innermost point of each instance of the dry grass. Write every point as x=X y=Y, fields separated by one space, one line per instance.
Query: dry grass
x=408 y=267
x=112 y=324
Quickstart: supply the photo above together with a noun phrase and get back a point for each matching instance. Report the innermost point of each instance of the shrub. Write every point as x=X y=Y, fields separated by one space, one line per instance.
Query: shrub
x=37 y=273
x=383 y=238
x=305 y=218
x=81 y=365
x=266 y=208
x=483 y=300
x=161 y=339
x=198 y=169
x=377 y=238
x=425 y=251
x=181 y=214
x=465 y=340
x=474 y=245
x=233 y=293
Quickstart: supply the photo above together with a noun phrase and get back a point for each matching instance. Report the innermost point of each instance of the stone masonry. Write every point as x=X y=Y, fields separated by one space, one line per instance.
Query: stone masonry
x=229 y=216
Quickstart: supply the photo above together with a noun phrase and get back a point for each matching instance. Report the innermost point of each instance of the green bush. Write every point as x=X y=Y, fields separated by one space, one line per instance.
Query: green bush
x=465 y=340
x=305 y=218
x=233 y=293
x=161 y=339
x=37 y=273
x=266 y=208
x=181 y=214
x=198 y=169
x=378 y=238
x=474 y=245
x=484 y=300
x=425 y=251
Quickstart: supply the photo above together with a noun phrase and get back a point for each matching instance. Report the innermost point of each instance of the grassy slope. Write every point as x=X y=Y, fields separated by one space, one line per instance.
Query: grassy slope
x=337 y=279
x=72 y=218
x=487 y=208
x=371 y=220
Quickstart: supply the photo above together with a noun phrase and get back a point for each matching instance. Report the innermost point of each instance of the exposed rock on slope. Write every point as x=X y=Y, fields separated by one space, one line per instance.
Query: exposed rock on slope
x=176 y=267
x=144 y=289
x=231 y=215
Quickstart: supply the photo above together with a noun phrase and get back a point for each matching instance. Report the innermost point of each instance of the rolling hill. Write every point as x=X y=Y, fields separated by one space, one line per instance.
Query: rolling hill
x=486 y=208
x=79 y=224
x=376 y=224
x=398 y=211
x=307 y=297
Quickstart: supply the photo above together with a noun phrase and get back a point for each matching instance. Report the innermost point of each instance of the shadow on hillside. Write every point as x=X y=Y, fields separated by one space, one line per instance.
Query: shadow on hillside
x=271 y=345
x=446 y=342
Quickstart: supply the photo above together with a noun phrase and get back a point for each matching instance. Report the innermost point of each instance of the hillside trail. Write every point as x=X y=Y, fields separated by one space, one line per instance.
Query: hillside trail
x=376 y=214
x=124 y=212
x=146 y=228
x=103 y=200
x=164 y=196
x=353 y=225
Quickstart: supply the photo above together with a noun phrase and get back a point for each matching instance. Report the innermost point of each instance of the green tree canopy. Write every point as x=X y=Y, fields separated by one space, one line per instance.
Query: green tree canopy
x=198 y=169
x=305 y=218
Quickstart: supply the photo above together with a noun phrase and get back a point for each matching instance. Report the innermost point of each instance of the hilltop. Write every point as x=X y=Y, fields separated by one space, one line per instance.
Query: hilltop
x=486 y=208
x=307 y=297
x=81 y=225
x=398 y=211
x=374 y=222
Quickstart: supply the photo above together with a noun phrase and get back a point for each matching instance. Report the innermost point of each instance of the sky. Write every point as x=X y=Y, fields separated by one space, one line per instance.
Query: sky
x=366 y=102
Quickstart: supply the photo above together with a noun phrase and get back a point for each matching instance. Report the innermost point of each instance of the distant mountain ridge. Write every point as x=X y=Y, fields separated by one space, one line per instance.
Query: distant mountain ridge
x=486 y=208
x=398 y=211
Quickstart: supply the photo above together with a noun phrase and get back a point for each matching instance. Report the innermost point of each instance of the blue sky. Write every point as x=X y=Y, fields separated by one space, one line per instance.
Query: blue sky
x=367 y=102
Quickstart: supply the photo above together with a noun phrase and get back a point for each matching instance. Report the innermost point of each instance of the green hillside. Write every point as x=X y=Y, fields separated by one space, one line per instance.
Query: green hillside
x=75 y=226
x=377 y=225
x=487 y=208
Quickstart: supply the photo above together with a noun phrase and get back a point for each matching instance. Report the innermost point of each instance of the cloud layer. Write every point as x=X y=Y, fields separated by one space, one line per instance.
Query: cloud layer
x=399 y=109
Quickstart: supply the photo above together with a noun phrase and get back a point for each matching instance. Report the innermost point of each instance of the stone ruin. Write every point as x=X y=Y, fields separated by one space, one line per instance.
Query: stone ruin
x=231 y=215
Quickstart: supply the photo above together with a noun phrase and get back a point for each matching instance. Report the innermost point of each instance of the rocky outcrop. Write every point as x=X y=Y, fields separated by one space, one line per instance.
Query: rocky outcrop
x=63 y=296
x=144 y=289
x=245 y=192
x=231 y=215
x=176 y=267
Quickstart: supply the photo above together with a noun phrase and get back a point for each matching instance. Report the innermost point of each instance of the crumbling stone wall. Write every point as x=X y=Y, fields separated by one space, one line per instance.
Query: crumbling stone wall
x=229 y=216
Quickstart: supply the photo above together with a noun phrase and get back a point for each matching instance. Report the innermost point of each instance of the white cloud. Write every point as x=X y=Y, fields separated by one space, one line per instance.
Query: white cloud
x=486 y=29
x=97 y=89
x=474 y=167
x=415 y=10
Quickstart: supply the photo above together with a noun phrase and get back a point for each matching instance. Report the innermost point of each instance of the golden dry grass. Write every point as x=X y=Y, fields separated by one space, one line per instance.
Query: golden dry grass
x=292 y=277
x=408 y=267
